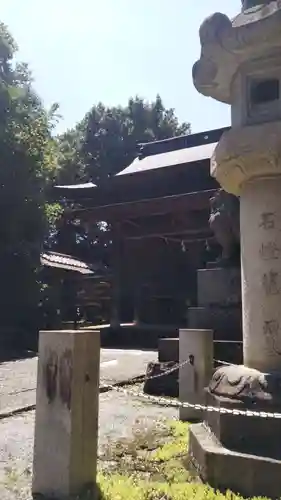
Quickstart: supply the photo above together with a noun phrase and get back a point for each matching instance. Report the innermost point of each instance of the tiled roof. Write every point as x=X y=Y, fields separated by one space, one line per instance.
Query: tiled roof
x=62 y=261
x=166 y=153
x=177 y=157
x=174 y=151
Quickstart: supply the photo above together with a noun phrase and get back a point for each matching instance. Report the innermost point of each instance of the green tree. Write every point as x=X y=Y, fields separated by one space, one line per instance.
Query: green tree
x=105 y=141
x=28 y=162
x=72 y=165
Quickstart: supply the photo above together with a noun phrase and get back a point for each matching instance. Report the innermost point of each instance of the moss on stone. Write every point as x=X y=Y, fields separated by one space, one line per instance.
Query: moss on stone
x=152 y=466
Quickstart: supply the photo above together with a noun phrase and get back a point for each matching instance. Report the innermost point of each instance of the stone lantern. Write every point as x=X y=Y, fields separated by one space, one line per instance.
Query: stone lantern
x=240 y=65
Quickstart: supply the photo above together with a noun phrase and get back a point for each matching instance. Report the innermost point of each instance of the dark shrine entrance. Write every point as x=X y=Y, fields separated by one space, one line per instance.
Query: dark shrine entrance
x=157 y=213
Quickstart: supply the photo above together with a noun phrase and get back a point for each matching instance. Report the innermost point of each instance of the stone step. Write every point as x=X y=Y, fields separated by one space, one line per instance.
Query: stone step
x=226 y=322
x=250 y=475
x=229 y=351
x=168 y=350
x=137 y=336
x=219 y=286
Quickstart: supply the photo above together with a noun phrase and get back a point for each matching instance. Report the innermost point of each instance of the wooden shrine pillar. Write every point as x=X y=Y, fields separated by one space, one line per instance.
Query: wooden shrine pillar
x=137 y=301
x=116 y=260
x=136 y=272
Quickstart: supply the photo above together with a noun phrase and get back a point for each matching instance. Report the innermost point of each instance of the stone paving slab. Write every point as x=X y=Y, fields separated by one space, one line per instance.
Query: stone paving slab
x=16 y=376
x=17 y=402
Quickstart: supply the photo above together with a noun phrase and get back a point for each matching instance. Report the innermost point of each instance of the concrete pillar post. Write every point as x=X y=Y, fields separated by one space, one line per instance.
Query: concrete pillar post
x=66 y=428
x=196 y=346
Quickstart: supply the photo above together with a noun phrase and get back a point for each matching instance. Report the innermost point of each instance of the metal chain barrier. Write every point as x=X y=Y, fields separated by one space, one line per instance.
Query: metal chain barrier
x=178 y=404
x=224 y=363
x=168 y=371
x=163 y=401
x=141 y=379
x=177 y=366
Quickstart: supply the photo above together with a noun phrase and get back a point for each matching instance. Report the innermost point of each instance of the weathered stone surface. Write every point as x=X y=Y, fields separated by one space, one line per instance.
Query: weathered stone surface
x=226 y=45
x=196 y=360
x=248 y=4
x=168 y=350
x=240 y=64
x=239 y=387
x=163 y=385
x=223 y=468
x=247 y=385
x=243 y=155
x=66 y=427
x=245 y=434
x=219 y=286
x=224 y=222
x=225 y=321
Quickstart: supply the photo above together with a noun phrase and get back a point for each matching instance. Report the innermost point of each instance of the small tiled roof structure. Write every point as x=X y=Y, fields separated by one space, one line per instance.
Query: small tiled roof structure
x=67 y=262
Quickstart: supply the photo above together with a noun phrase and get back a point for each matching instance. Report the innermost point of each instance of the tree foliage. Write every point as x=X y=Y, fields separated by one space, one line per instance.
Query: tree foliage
x=105 y=141
x=28 y=162
x=32 y=159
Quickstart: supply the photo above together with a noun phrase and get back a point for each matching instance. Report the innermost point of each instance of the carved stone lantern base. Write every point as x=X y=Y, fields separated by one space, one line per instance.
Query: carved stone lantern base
x=236 y=451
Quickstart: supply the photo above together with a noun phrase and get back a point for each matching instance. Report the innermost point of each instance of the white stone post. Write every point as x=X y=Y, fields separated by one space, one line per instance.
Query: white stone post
x=66 y=428
x=196 y=346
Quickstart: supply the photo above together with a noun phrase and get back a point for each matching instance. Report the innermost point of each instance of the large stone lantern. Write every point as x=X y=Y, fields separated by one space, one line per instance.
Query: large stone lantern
x=240 y=65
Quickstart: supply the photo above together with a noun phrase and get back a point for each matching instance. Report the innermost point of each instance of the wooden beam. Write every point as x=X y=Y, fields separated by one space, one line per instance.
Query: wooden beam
x=182 y=202
x=193 y=223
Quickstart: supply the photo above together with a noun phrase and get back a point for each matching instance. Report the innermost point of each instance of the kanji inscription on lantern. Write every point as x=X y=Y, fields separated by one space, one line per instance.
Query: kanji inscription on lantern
x=271 y=327
x=270 y=283
x=270 y=251
x=267 y=220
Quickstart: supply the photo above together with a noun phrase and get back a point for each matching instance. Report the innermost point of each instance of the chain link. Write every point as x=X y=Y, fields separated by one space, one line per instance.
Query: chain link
x=163 y=401
x=141 y=378
x=224 y=363
x=178 y=404
x=166 y=372
x=177 y=366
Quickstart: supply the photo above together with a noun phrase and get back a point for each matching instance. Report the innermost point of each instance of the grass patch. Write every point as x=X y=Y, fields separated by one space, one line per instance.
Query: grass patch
x=151 y=465
x=151 y=454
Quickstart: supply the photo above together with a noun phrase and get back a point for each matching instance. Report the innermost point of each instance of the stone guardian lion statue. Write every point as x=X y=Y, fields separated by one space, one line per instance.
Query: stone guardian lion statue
x=224 y=221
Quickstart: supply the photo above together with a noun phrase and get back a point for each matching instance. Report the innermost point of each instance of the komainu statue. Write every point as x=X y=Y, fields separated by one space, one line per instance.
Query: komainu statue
x=224 y=221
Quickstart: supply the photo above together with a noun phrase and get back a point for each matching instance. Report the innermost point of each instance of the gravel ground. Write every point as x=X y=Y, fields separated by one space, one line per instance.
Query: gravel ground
x=118 y=413
x=18 y=378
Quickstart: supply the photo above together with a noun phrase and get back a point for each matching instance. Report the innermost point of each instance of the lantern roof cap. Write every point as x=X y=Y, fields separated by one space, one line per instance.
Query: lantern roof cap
x=228 y=44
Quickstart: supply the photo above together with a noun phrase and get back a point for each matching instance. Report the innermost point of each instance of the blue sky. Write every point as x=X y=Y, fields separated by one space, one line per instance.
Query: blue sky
x=108 y=50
